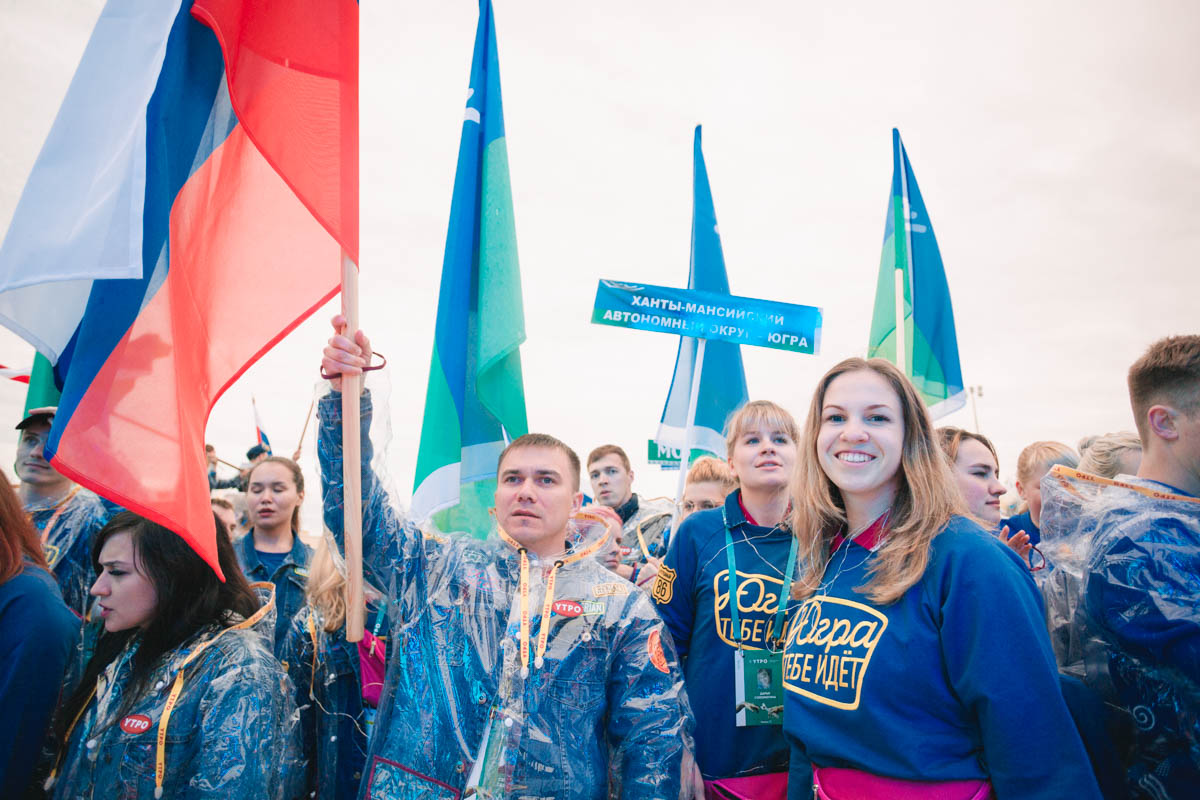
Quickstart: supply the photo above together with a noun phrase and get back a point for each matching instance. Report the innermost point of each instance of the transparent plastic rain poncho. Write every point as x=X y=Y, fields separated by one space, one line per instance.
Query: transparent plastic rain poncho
x=66 y=530
x=601 y=713
x=645 y=533
x=1123 y=607
x=325 y=669
x=232 y=731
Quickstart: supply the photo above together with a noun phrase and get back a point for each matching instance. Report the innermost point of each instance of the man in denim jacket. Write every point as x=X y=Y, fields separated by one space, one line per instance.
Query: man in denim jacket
x=484 y=688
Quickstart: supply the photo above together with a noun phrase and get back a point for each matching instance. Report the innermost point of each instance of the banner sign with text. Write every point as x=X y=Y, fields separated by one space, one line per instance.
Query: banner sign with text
x=709 y=315
x=667 y=457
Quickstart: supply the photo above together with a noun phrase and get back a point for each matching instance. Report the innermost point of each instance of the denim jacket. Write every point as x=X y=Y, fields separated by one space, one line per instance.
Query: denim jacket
x=325 y=670
x=289 y=581
x=231 y=733
x=66 y=530
x=604 y=715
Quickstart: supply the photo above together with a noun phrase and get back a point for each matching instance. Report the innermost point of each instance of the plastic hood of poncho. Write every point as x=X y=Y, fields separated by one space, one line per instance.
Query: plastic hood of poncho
x=601 y=712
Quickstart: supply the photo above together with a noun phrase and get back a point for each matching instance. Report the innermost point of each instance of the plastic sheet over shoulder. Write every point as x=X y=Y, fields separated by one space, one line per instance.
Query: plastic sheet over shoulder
x=1123 y=608
x=218 y=719
x=556 y=680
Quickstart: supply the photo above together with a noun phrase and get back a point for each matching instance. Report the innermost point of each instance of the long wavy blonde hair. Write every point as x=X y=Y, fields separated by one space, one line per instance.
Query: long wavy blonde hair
x=926 y=499
x=325 y=589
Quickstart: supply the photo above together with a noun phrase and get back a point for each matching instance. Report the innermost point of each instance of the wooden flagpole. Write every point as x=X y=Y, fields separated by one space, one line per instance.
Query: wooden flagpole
x=352 y=464
x=304 y=430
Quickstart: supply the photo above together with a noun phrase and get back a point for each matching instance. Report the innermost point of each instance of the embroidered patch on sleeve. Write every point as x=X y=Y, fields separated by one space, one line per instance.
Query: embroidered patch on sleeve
x=657 y=657
x=664 y=585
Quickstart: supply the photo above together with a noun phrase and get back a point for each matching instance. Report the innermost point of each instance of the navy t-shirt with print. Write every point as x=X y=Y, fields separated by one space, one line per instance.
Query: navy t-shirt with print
x=692 y=593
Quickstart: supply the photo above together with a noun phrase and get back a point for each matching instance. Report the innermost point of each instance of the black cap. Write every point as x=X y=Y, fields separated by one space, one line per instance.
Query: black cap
x=44 y=414
x=256 y=451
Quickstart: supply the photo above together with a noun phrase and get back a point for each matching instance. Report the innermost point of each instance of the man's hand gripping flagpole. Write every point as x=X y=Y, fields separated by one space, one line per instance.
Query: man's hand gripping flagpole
x=347 y=358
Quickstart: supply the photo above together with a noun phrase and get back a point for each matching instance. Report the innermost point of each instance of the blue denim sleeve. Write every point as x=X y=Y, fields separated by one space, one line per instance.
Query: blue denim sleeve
x=650 y=720
x=393 y=550
x=248 y=740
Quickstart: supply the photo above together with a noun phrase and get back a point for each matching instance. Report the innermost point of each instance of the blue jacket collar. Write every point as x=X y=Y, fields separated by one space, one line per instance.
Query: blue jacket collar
x=296 y=557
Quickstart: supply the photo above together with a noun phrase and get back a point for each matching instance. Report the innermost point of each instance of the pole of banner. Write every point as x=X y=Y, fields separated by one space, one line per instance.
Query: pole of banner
x=901 y=349
x=304 y=430
x=226 y=463
x=686 y=452
x=352 y=464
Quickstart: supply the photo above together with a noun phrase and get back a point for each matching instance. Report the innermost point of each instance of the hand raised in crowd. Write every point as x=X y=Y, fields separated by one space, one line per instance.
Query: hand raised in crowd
x=342 y=356
x=1018 y=542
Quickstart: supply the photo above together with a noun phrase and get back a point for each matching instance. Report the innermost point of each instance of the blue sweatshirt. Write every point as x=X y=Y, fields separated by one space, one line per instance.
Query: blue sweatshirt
x=1022 y=522
x=954 y=681
x=692 y=593
x=37 y=634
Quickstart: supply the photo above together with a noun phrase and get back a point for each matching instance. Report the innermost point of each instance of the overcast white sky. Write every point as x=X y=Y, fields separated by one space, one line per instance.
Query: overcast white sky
x=1057 y=146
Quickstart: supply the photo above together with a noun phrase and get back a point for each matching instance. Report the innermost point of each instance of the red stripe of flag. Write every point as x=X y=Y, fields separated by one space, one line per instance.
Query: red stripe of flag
x=13 y=374
x=268 y=215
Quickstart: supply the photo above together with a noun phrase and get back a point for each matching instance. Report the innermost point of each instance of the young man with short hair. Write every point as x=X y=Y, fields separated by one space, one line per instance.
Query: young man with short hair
x=64 y=513
x=646 y=521
x=1141 y=599
x=518 y=665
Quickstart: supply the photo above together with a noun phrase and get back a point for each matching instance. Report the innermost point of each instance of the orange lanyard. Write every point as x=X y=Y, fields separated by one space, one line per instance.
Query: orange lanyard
x=544 y=630
x=59 y=508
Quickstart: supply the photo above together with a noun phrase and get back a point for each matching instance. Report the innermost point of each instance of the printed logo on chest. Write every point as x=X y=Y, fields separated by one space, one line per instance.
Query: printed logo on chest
x=758 y=600
x=829 y=647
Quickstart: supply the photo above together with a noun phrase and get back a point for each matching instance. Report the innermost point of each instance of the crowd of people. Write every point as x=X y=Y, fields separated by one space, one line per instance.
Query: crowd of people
x=839 y=609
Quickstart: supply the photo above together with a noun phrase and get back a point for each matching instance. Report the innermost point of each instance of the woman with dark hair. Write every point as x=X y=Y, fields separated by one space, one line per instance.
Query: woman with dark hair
x=37 y=632
x=272 y=550
x=182 y=694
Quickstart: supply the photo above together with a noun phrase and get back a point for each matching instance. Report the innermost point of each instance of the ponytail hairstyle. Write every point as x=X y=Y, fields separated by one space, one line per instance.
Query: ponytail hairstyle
x=18 y=539
x=190 y=597
x=297 y=478
x=1103 y=455
x=926 y=499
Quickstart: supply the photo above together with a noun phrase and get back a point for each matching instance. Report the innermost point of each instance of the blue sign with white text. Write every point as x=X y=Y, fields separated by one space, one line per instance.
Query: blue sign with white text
x=709 y=315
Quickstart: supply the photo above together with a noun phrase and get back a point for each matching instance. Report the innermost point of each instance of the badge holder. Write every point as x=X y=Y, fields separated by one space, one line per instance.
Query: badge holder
x=758 y=673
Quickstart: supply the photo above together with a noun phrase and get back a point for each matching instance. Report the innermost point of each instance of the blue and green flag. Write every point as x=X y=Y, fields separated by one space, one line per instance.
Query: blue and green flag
x=722 y=388
x=475 y=402
x=911 y=260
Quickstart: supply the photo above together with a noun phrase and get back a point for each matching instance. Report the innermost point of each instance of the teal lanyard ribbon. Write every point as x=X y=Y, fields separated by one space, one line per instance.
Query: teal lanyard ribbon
x=775 y=634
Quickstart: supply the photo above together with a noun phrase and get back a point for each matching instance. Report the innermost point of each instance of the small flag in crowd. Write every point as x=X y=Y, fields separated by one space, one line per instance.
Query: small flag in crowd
x=14 y=374
x=475 y=402
x=261 y=436
x=912 y=262
x=722 y=387
x=203 y=150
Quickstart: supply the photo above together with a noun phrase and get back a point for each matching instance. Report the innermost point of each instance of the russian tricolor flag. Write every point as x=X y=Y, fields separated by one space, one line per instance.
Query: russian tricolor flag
x=259 y=433
x=191 y=206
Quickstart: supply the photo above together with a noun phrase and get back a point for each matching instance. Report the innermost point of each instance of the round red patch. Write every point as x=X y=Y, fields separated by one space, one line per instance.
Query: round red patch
x=567 y=608
x=136 y=723
x=657 y=657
